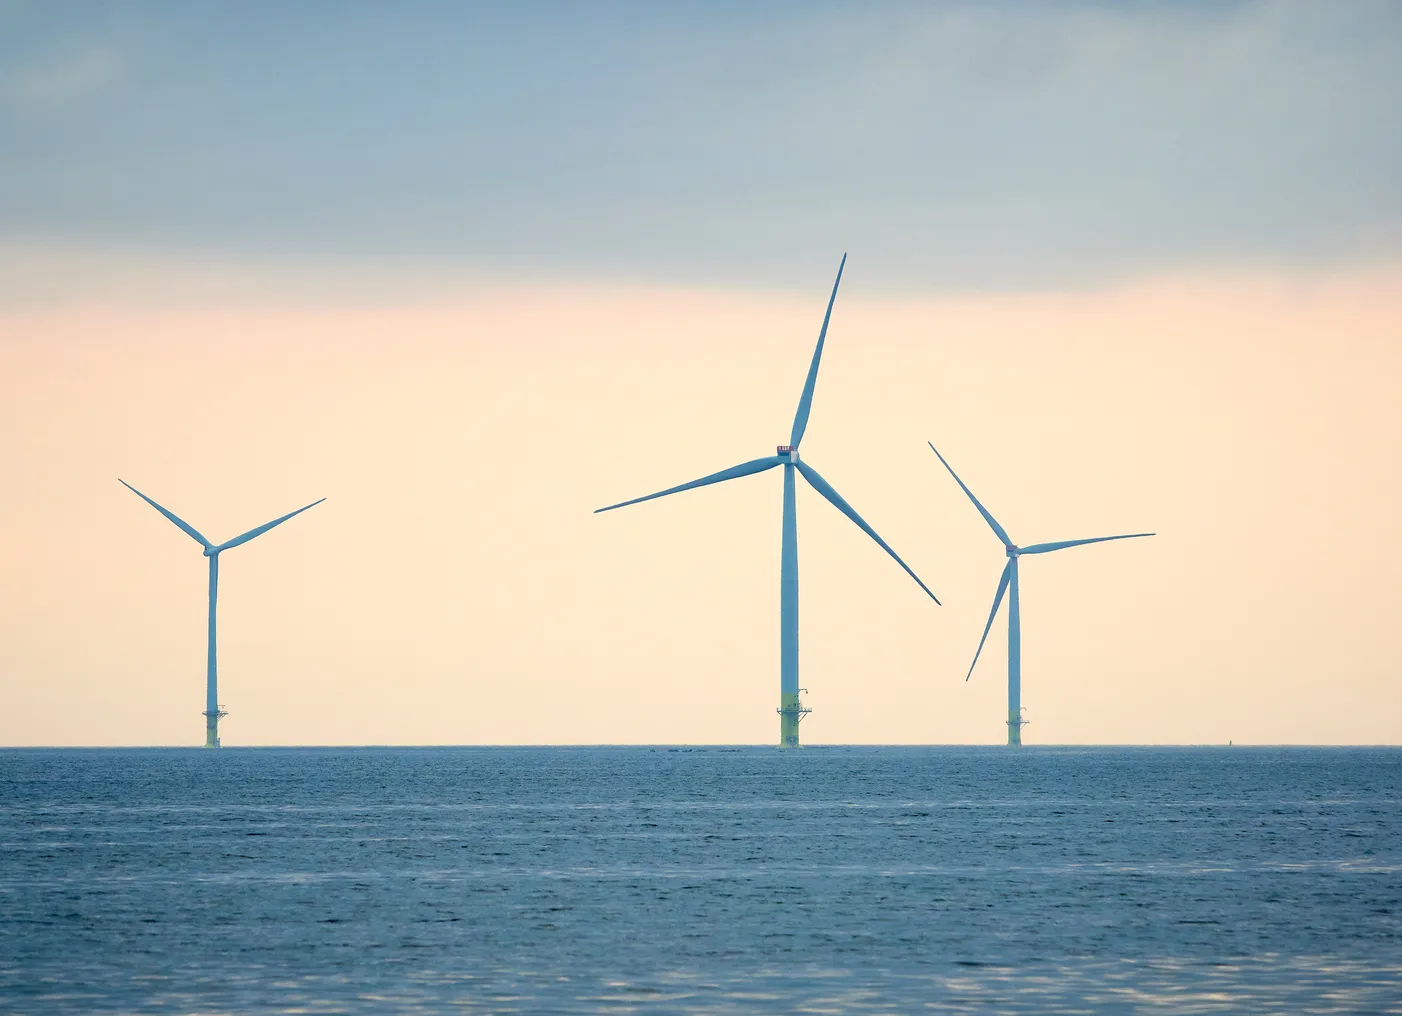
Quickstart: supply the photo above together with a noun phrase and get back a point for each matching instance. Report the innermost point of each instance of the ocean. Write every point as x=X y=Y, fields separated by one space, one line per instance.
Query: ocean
x=702 y=880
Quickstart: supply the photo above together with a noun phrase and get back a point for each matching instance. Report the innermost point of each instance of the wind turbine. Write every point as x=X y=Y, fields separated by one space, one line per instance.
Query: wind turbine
x=1009 y=580
x=791 y=710
x=212 y=712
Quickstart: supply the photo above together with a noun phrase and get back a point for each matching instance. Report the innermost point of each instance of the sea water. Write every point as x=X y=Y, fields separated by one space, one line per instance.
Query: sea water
x=737 y=880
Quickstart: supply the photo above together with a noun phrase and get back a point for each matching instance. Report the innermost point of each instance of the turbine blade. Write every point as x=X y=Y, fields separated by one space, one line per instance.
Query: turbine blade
x=823 y=487
x=1047 y=548
x=237 y=540
x=997 y=602
x=743 y=469
x=189 y=529
x=1002 y=534
x=805 y=401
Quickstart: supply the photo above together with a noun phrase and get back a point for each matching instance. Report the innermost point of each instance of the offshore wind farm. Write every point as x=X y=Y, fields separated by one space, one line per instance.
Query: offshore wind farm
x=791 y=709
x=474 y=270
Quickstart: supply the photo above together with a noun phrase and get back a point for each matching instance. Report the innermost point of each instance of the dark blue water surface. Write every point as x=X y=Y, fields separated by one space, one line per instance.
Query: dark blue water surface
x=1046 y=880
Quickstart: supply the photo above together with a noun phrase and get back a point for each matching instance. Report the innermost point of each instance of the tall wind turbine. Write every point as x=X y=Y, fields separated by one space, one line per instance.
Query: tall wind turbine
x=212 y=712
x=1009 y=581
x=791 y=710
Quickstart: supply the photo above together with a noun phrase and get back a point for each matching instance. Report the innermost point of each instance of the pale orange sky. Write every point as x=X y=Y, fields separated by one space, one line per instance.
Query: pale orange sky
x=455 y=587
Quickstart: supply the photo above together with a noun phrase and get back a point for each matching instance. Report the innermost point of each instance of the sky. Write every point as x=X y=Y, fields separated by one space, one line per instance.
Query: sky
x=472 y=271
x=992 y=146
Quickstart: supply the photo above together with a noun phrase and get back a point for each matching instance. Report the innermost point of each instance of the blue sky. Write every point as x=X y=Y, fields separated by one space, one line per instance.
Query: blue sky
x=953 y=146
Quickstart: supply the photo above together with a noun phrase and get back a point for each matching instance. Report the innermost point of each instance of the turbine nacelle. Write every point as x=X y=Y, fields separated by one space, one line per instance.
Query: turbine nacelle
x=211 y=552
x=1013 y=550
x=789 y=453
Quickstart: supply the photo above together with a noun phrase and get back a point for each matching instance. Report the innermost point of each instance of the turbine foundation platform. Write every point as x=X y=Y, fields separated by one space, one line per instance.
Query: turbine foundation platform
x=1015 y=725
x=791 y=713
x=211 y=726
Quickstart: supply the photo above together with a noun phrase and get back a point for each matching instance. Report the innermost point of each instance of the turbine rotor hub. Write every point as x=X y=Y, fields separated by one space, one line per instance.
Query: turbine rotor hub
x=1013 y=550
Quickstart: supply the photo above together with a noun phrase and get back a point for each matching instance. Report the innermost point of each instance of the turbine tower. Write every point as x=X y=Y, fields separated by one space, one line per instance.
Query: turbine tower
x=791 y=710
x=212 y=712
x=1009 y=582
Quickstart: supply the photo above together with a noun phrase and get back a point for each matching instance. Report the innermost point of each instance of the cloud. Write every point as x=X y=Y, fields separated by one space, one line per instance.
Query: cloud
x=957 y=146
x=59 y=82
